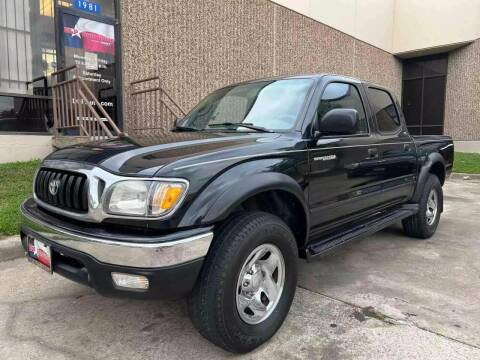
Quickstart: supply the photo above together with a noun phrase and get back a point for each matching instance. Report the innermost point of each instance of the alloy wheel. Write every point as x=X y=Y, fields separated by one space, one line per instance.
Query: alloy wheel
x=260 y=284
x=432 y=206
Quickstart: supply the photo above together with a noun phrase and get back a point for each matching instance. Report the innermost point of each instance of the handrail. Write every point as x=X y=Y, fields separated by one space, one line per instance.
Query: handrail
x=93 y=110
x=64 y=82
x=144 y=80
x=76 y=107
x=145 y=91
x=102 y=110
x=44 y=87
x=36 y=79
x=64 y=70
x=150 y=108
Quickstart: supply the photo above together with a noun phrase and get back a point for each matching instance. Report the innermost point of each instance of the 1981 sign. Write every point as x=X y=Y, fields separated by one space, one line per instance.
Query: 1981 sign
x=88 y=6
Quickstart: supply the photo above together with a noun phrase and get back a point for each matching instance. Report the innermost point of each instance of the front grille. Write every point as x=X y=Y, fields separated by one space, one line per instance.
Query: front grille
x=72 y=193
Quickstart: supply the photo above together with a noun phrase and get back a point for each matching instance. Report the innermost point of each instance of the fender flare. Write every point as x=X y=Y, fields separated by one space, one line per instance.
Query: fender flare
x=223 y=195
x=424 y=173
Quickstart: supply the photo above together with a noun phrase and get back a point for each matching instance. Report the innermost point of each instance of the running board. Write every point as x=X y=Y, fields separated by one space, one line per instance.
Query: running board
x=368 y=227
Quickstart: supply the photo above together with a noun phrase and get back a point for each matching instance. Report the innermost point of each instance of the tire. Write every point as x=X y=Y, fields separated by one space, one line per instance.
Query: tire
x=421 y=225
x=213 y=303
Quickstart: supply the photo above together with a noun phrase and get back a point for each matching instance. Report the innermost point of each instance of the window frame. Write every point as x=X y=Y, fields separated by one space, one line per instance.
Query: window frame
x=362 y=101
x=400 y=127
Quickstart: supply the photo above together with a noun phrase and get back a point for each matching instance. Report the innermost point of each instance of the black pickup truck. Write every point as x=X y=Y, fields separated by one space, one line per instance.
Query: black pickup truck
x=255 y=176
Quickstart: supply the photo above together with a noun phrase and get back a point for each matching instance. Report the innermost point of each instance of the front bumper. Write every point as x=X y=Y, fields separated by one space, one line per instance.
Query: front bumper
x=170 y=262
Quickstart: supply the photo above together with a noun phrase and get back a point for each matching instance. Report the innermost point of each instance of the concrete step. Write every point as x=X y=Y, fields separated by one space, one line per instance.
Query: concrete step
x=59 y=142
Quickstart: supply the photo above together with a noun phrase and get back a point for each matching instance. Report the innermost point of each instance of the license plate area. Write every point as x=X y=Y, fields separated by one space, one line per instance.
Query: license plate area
x=39 y=253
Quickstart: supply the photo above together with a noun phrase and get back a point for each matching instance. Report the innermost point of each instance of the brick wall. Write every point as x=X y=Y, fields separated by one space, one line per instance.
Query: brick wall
x=198 y=46
x=462 y=98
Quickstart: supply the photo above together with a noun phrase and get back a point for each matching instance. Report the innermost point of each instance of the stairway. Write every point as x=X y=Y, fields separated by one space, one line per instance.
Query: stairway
x=151 y=110
x=76 y=111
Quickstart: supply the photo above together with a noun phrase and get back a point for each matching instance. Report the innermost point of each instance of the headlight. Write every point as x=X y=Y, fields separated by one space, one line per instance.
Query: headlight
x=144 y=197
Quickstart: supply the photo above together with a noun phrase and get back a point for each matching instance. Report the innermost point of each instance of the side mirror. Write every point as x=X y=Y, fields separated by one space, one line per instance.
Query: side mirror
x=339 y=122
x=176 y=121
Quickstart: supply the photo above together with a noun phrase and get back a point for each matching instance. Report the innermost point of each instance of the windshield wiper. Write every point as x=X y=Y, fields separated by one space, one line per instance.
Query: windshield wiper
x=246 y=125
x=185 y=128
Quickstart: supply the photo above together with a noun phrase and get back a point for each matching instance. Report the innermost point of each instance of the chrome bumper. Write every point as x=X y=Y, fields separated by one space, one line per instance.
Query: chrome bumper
x=139 y=254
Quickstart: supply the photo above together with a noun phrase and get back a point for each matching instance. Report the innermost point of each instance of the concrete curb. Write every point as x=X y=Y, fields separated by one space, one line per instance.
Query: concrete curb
x=464 y=176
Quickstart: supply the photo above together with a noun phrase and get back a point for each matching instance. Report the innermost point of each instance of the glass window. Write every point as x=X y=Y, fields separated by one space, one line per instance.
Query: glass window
x=412 y=101
x=384 y=110
x=27 y=39
x=414 y=130
x=435 y=66
x=46 y=8
x=425 y=66
x=432 y=130
x=412 y=69
x=27 y=43
x=24 y=114
x=272 y=104
x=423 y=94
x=343 y=96
x=433 y=100
x=90 y=45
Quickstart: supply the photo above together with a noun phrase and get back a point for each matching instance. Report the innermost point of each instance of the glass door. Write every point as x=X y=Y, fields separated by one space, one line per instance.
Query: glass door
x=89 y=41
x=423 y=94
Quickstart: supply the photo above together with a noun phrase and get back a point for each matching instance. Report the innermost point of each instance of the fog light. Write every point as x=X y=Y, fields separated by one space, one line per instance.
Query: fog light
x=128 y=281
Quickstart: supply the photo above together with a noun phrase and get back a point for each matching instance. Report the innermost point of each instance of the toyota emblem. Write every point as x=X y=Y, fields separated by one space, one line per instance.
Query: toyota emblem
x=53 y=186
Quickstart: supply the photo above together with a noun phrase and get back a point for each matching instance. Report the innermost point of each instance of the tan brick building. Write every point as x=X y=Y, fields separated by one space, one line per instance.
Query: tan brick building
x=197 y=46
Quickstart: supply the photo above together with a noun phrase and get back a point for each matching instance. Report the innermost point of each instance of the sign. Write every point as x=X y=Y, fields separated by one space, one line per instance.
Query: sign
x=88 y=6
x=88 y=35
x=90 y=45
x=91 y=61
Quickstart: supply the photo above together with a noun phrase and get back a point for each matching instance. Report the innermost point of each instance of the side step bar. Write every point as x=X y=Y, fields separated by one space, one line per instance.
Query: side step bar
x=370 y=226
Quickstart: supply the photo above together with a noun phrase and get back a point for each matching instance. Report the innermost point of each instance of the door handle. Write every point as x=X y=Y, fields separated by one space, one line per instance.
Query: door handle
x=373 y=153
x=407 y=147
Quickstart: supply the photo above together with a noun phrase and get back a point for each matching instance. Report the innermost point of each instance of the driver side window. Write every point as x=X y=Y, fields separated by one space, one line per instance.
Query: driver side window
x=343 y=96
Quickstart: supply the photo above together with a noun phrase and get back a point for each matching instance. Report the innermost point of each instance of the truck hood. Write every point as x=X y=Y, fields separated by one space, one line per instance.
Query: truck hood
x=147 y=155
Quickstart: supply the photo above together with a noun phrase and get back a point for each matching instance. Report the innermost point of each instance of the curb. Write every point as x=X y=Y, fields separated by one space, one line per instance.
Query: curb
x=464 y=176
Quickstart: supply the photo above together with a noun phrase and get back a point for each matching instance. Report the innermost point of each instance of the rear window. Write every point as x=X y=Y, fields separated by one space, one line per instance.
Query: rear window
x=384 y=110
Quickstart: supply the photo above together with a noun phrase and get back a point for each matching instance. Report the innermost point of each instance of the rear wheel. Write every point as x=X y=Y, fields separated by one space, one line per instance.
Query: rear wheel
x=247 y=283
x=424 y=224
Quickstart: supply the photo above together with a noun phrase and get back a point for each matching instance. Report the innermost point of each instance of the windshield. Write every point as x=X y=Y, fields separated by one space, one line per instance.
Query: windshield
x=272 y=105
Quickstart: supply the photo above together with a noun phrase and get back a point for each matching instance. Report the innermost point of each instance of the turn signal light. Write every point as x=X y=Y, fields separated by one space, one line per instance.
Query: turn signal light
x=166 y=196
x=171 y=196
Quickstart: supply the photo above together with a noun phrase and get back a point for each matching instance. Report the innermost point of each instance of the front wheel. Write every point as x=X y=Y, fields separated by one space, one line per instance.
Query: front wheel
x=424 y=224
x=247 y=283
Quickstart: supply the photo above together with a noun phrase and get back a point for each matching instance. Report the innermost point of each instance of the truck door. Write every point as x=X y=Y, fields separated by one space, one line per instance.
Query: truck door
x=343 y=168
x=397 y=153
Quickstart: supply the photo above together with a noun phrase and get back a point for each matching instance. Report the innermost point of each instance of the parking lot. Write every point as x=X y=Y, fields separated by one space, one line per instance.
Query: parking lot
x=384 y=297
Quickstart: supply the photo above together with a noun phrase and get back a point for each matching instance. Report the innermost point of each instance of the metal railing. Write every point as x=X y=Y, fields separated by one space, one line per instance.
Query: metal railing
x=39 y=91
x=150 y=109
x=76 y=109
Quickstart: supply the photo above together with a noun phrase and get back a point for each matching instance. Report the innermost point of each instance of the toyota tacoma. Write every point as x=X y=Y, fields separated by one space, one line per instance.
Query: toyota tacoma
x=220 y=208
